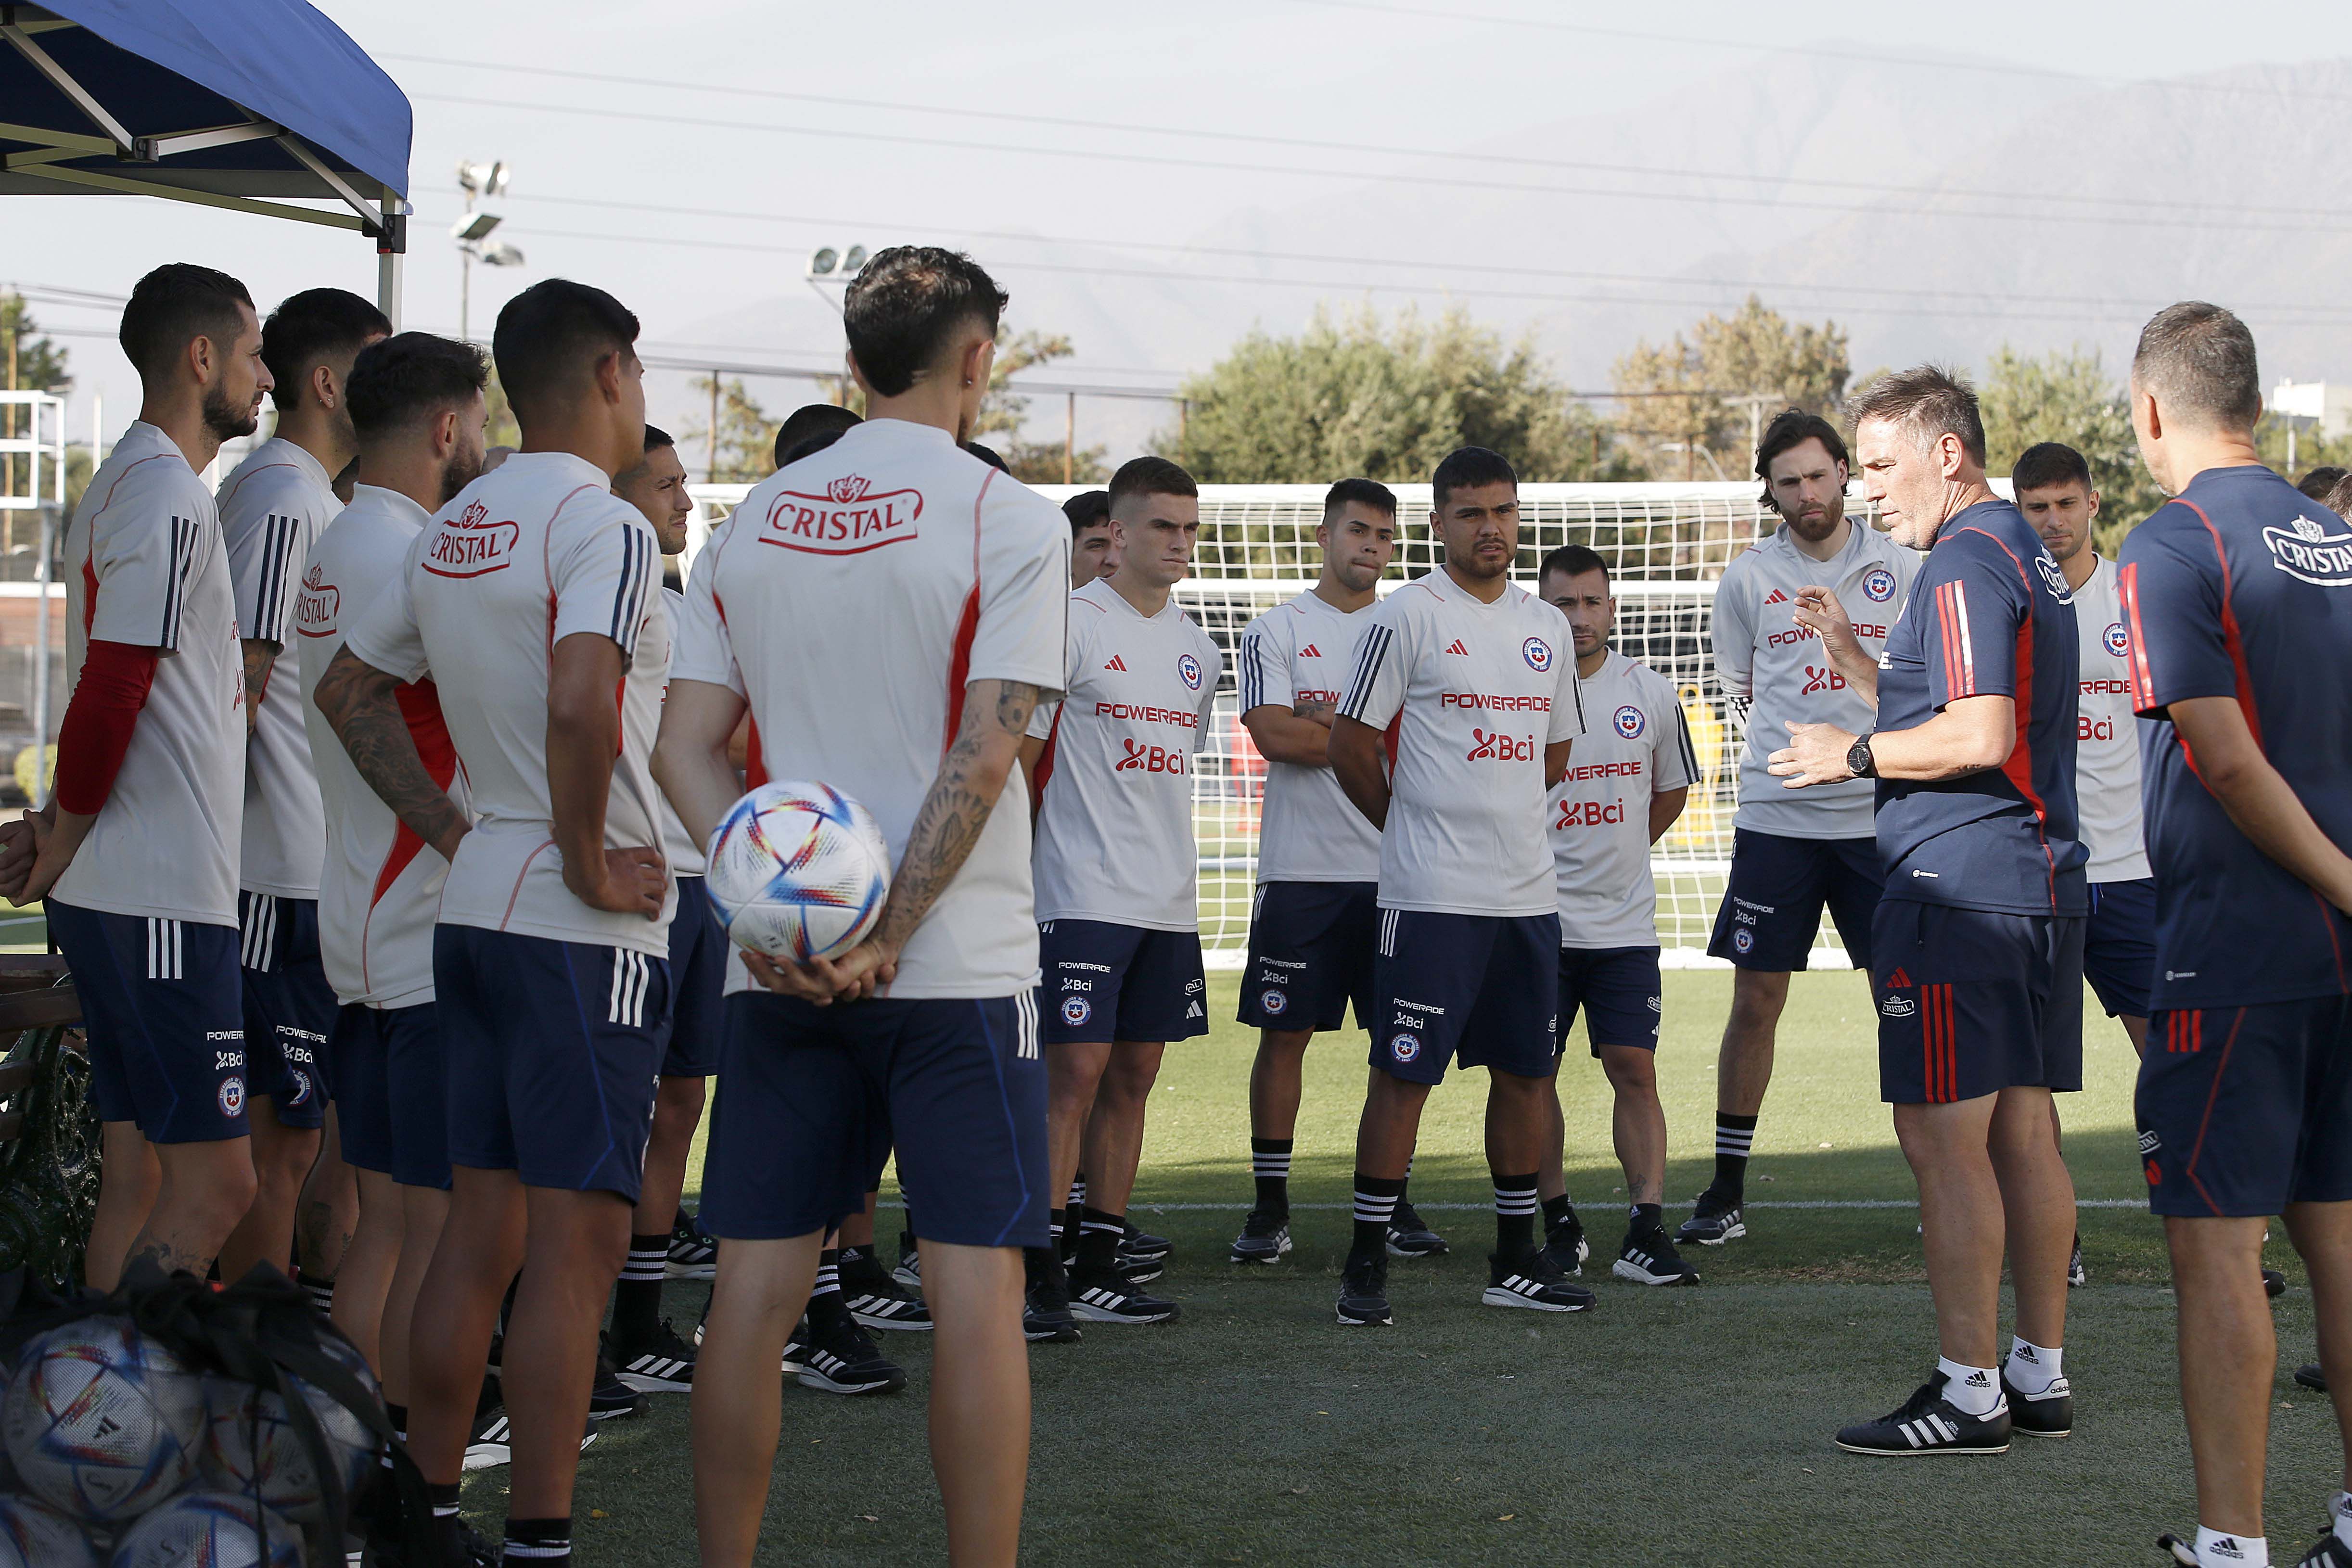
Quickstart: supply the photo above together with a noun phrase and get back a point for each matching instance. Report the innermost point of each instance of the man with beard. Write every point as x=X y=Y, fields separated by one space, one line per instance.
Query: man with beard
x=136 y=852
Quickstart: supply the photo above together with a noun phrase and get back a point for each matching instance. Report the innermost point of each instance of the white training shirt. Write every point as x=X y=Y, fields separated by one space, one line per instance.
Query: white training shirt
x=1778 y=670
x=534 y=551
x=145 y=566
x=380 y=890
x=1638 y=747
x=679 y=848
x=272 y=509
x=2107 y=743
x=1114 y=783
x=1309 y=829
x=851 y=598
x=1470 y=694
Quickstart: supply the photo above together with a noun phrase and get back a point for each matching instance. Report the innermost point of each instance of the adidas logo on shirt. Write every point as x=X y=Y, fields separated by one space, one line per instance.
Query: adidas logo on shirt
x=1776 y=597
x=1458 y=648
x=1117 y=664
x=1310 y=652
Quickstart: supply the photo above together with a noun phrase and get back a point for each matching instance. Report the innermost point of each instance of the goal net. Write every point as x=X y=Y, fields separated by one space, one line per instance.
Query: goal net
x=1666 y=546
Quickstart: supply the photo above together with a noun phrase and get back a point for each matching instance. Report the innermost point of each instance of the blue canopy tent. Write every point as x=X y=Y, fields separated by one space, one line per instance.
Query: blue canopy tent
x=250 y=105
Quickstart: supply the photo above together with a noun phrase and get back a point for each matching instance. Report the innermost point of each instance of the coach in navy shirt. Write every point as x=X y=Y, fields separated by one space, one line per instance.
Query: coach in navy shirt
x=2238 y=600
x=1976 y=945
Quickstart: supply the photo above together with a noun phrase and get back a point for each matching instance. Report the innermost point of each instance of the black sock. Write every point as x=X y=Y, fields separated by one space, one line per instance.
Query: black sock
x=1556 y=1212
x=1646 y=1217
x=1734 y=1137
x=1270 y=1165
x=684 y=1220
x=444 y=1499
x=1404 y=1185
x=636 y=1295
x=1376 y=1201
x=1099 y=1233
x=1515 y=1215
x=321 y=1291
x=539 y=1540
x=398 y=1416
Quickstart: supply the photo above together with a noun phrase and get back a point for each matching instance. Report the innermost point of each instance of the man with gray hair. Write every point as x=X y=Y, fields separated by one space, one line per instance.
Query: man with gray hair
x=1977 y=945
x=2236 y=594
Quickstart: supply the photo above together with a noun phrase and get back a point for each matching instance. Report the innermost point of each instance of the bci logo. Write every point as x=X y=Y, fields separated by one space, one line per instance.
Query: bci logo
x=1142 y=758
x=1500 y=747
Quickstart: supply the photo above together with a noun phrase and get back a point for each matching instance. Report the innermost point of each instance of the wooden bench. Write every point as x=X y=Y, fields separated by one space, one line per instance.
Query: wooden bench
x=49 y=1127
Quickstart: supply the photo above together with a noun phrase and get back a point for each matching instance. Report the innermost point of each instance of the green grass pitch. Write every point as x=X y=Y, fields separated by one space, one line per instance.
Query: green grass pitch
x=1664 y=1427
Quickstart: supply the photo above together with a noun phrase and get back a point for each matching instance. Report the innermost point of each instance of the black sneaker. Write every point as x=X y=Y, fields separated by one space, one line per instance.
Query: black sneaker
x=909 y=1271
x=1647 y=1257
x=2311 y=1375
x=1927 y=1422
x=2328 y=1551
x=491 y=1442
x=1566 y=1246
x=2050 y=1413
x=2178 y=1550
x=2076 y=1276
x=1411 y=1237
x=693 y=1255
x=664 y=1363
x=1142 y=1247
x=1534 y=1281
x=2273 y=1282
x=1045 y=1316
x=1364 y=1290
x=1265 y=1238
x=1110 y=1297
x=452 y=1543
x=1714 y=1222
x=837 y=1358
x=875 y=1298
x=611 y=1398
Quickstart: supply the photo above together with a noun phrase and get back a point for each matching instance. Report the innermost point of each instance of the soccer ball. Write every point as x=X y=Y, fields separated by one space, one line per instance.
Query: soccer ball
x=798 y=871
x=34 y=1535
x=102 y=1421
x=252 y=1447
x=209 y=1529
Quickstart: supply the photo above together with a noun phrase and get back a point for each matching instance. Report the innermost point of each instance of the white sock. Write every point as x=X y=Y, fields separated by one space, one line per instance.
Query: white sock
x=2030 y=1368
x=2339 y=1509
x=1972 y=1390
x=2219 y=1549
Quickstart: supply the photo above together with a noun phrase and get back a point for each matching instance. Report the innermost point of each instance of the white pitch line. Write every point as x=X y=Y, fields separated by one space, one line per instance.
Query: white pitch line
x=1488 y=1207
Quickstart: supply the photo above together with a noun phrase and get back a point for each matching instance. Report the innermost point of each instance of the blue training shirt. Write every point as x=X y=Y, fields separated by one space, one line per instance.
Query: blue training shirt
x=1990 y=615
x=2241 y=588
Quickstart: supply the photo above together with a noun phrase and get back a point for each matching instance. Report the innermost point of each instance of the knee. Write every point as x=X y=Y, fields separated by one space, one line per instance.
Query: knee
x=1071 y=1083
x=1630 y=1071
x=219 y=1194
x=1126 y=1083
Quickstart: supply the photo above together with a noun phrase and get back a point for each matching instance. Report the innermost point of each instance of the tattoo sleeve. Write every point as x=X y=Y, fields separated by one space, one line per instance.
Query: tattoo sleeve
x=258 y=657
x=971 y=776
x=357 y=700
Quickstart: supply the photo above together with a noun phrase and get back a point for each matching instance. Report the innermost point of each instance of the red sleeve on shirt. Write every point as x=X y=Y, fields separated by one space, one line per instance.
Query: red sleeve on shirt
x=96 y=733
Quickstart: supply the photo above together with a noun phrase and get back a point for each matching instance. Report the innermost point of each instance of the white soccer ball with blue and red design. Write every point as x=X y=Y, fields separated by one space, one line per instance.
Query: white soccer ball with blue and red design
x=34 y=1535
x=798 y=871
x=210 y=1529
x=102 y=1421
x=253 y=1448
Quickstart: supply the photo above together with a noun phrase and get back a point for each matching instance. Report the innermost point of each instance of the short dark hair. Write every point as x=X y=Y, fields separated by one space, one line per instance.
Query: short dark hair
x=551 y=334
x=310 y=327
x=1149 y=476
x=657 y=438
x=2197 y=360
x=1361 y=492
x=905 y=308
x=809 y=447
x=1791 y=428
x=402 y=379
x=990 y=455
x=2050 y=462
x=1086 y=509
x=1573 y=559
x=2339 y=499
x=810 y=418
x=2321 y=482
x=1927 y=402
x=178 y=301
x=1466 y=468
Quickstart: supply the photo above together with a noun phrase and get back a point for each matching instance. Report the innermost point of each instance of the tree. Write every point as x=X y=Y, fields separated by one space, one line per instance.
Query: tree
x=1004 y=412
x=745 y=451
x=2067 y=397
x=1349 y=396
x=1699 y=400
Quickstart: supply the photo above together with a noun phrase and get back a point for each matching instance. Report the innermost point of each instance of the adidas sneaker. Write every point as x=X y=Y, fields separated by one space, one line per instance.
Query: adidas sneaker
x=2077 y=1275
x=1566 y=1244
x=664 y=1363
x=1265 y=1238
x=1142 y=1247
x=1109 y=1297
x=2328 y=1551
x=2184 y=1551
x=491 y=1442
x=1364 y=1292
x=1533 y=1282
x=837 y=1358
x=1410 y=1235
x=1045 y=1316
x=909 y=1271
x=1647 y=1257
x=875 y=1298
x=1716 y=1220
x=1927 y=1422
x=2049 y=1414
x=693 y=1255
x=609 y=1398
x=2311 y=1375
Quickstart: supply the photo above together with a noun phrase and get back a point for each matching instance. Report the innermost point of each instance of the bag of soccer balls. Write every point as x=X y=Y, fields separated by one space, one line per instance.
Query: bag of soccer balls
x=171 y=1426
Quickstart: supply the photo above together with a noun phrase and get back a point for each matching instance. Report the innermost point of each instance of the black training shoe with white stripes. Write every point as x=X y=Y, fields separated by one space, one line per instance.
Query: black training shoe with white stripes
x=2274 y=1283
x=2328 y=1551
x=1364 y=1290
x=1566 y=1246
x=909 y=1271
x=2049 y=1414
x=2311 y=1375
x=1927 y=1422
x=1142 y=1247
x=491 y=1442
x=1715 y=1221
x=1410 y=1235
x=875 y=1298
x=1648 y=1258
x=1045 y=1316
x=1109 y=1297
x=693 y=1255
x=835 y=1356
x=664 y=1363
x=1532 y=1281
x=2077 y=1275
x=610 y=1398
x=1265 y=1238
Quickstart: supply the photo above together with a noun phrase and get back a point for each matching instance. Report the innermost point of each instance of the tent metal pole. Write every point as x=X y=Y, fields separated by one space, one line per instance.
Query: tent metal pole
x=391 y=257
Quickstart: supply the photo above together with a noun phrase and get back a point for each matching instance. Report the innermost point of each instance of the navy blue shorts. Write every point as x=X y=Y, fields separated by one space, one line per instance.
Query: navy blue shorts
x=1104 y=983
x=1310 y=953
x=551 y=1048
x=1971 y=1002
x=1779 y=887
x=2243 y=1111
x=164 y=1020
x=1477 y=988
x=1618 y=990
x=290 y=1008
x=2119 y=948
x=363 y=1088
x=391 y=1103
x=811 y=1101
x=698 y=950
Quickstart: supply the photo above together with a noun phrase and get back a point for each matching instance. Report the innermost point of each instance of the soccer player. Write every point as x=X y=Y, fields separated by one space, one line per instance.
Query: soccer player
x=1119 y=907
x=890 y=562
x=136 y=851
x=1468 y=678
x=2320 y=483
x=1978 y=942
x=1091 y=556
x=527 y=600
x=1312 y=923
x=416 y=408
x=806 y=423
x=1628 y=782
x=1792 y=855
x=2237 y=596
x=272 y=509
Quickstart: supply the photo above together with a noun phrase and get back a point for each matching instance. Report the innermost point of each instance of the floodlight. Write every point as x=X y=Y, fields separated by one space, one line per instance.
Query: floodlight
x=855 y=260
x=475 y=226
x=499 y=253
x=821 y=261
x=483 y=179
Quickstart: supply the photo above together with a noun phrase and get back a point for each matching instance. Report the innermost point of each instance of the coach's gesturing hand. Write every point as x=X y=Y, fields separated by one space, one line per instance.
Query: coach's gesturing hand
x=1815 y=755
x=1818 y=611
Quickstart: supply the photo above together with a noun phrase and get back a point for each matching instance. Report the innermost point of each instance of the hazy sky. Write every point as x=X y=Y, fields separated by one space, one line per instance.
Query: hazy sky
x=780 y=126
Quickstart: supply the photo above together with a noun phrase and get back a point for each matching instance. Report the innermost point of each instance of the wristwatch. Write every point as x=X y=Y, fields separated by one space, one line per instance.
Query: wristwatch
x=1858 y=760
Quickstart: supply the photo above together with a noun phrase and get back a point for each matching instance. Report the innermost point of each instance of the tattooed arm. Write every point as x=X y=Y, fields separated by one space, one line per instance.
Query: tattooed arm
x=357 y=702
x=259 y=656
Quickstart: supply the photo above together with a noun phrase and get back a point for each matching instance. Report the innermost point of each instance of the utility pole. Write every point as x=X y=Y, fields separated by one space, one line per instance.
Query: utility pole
x=1070 y=441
